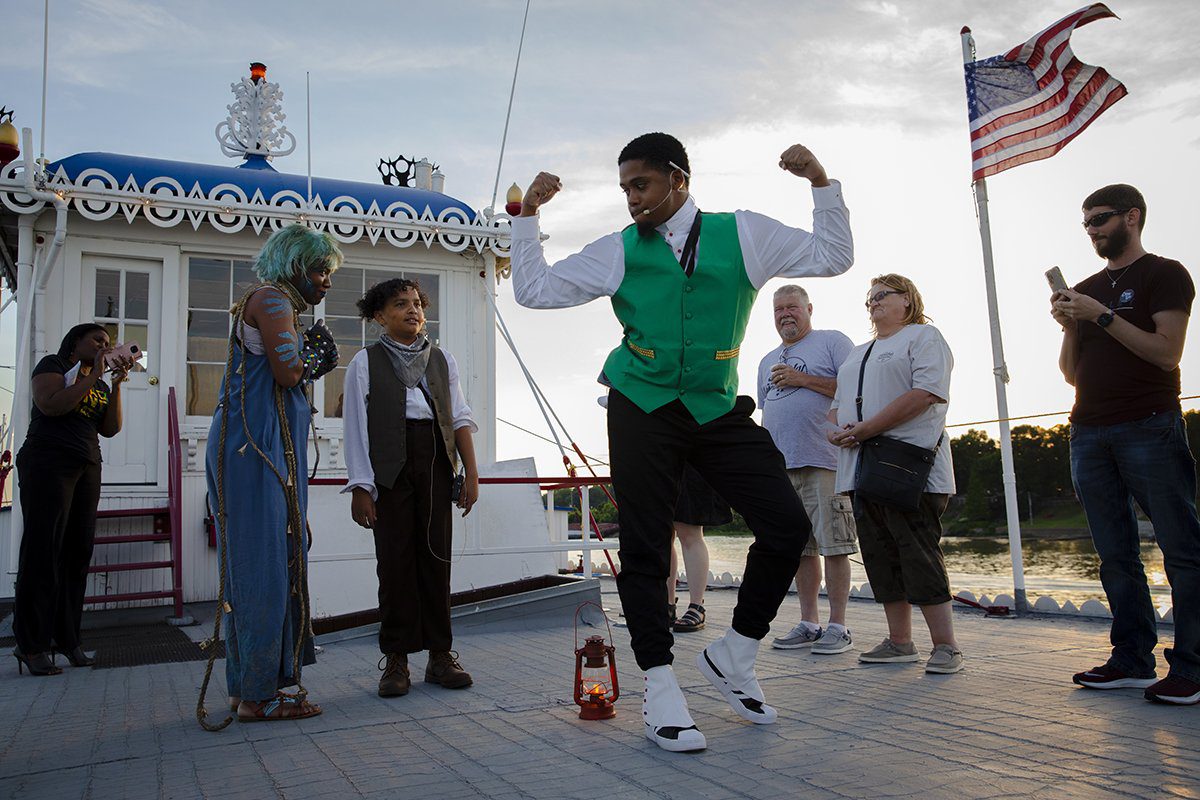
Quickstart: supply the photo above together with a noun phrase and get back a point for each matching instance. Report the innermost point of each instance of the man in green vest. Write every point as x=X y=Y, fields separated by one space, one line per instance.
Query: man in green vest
x=682 y=284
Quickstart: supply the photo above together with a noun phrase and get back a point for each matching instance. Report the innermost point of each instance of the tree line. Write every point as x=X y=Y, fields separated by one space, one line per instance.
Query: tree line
x=1041 y=460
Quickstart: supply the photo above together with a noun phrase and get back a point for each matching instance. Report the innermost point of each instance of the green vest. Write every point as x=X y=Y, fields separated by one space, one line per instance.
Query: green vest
x=682 y=335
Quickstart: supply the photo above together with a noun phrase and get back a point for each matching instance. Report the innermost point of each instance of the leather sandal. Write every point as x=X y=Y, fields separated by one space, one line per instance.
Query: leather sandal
x=280 y=707
x=692 y=619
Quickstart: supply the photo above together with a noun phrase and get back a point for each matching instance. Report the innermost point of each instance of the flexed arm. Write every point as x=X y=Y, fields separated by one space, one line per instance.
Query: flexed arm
x=593 y=272
x=772 y=249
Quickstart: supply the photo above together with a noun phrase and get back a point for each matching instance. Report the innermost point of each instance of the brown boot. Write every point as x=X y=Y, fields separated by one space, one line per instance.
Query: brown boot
x=444 y=669
x=395 y=681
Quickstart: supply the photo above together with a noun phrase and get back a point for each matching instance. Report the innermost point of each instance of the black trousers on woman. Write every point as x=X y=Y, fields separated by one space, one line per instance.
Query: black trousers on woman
x=59 y=496
x=412 y=547
x=740 y=461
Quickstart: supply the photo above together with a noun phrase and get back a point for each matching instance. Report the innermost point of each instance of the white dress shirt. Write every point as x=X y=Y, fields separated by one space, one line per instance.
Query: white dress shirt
x=359 y=471
x=769 y=249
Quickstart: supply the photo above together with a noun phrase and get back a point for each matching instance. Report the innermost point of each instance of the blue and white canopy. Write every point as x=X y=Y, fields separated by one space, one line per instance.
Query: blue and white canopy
x=166 y=193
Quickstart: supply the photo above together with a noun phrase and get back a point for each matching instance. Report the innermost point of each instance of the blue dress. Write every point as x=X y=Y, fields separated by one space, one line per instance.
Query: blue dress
x=261 y=584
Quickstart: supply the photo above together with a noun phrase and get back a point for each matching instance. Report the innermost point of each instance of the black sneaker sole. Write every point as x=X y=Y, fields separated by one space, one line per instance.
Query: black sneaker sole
x=1121 y=683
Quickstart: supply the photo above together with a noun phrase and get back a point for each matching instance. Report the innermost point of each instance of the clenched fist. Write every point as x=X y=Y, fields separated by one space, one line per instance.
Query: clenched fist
x=800 y=161
x=544 y=187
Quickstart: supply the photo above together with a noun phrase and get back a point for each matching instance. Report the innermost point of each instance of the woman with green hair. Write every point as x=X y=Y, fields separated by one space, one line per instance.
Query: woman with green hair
x=256 y=464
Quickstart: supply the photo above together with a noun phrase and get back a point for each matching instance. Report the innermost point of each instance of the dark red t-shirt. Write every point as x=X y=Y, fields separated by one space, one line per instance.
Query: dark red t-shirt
x=1112 y=385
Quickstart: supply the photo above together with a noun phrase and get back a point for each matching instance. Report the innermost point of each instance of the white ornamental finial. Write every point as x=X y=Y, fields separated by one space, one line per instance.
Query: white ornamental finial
x=251 y=128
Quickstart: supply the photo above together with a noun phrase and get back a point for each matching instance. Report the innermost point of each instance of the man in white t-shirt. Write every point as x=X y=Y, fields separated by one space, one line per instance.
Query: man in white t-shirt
x=795 y=384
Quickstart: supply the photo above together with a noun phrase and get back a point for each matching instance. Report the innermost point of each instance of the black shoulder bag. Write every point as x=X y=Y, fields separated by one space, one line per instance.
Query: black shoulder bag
x=890 y=471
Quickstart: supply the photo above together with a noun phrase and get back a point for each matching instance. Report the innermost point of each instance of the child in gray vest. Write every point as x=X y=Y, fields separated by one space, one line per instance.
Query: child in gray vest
x=407 y=426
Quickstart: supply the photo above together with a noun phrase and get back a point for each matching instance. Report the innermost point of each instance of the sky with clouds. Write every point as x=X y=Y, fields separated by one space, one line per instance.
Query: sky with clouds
x=874 y=88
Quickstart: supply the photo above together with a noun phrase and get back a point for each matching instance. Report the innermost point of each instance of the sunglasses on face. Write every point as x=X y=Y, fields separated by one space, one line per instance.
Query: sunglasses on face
x=878 y=297
x=1096 y=220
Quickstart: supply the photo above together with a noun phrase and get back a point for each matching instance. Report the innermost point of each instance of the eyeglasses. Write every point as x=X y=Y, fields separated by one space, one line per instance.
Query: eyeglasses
x=878 y=297
x=1096 y=220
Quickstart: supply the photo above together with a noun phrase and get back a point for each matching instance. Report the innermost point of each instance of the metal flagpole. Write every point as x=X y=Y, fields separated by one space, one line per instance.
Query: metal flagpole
x=1000 y=371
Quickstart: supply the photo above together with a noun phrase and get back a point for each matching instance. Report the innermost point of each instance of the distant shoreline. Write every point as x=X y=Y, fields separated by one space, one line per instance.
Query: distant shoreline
x=1049 y=534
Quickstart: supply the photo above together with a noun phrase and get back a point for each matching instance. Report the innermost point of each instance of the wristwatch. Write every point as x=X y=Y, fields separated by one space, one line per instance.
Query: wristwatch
x=1105 y=319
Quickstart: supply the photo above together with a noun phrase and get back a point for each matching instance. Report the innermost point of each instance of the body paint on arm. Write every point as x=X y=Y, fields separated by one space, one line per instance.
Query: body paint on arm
x=277 y=307
x=289 y=350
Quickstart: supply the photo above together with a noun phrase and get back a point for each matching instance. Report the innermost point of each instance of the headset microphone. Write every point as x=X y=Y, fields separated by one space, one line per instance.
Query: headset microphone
x=667 y=196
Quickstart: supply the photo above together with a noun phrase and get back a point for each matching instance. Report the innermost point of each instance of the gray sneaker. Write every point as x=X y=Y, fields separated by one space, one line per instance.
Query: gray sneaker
x=833 y=642
x=944 y=659
x=888 y=652
x=797 y=637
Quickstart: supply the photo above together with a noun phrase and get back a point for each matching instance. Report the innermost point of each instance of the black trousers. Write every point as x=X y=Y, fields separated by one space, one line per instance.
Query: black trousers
x=412 y=547
x=741 y=463
x=59 y=496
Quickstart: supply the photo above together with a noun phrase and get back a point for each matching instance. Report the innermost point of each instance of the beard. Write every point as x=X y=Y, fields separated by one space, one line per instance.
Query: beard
x=1113 y=244
x=645 y=227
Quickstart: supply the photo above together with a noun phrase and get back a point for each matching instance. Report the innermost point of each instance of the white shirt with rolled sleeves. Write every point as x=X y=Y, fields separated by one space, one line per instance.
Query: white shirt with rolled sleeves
x=359 y=471
x=769 y=249
x=914 y=357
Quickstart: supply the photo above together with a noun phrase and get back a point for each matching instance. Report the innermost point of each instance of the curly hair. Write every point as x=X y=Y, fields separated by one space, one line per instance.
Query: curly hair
x=916 y=306
x=379 y=295
x=294 y=250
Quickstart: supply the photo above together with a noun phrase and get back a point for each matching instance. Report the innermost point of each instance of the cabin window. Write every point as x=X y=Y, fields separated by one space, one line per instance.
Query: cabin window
x=122 y=306
x=214 y=285
x=353 y=333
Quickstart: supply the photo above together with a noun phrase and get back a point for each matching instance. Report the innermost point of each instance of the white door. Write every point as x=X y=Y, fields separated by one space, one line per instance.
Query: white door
x=125 y=295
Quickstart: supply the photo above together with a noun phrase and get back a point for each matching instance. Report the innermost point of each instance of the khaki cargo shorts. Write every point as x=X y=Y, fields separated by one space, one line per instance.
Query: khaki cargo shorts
x=832 y=515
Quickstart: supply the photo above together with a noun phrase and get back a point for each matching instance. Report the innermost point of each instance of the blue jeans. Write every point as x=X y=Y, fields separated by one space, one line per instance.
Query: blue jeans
x=1147 y=460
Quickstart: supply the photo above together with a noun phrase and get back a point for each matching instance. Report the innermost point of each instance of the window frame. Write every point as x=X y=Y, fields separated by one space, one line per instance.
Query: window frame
x=368 y=267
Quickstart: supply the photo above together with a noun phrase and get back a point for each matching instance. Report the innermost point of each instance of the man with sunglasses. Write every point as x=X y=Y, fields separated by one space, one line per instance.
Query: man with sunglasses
x=1123 y=336
x=682 y=284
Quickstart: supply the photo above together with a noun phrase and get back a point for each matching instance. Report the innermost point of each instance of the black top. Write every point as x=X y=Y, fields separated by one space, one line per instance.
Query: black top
x=75 y=433
x=1112 y=385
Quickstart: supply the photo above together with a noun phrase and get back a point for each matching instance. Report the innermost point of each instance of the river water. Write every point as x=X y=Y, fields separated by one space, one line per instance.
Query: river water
x=1063 y=569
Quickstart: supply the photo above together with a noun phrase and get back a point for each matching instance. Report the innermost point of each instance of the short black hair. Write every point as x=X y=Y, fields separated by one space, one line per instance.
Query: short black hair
x=1118 y=195
x=71 y=340
x=382 y=293
x=657 y=150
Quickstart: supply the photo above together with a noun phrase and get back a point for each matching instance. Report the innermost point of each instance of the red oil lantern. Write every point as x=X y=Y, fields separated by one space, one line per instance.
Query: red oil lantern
x=596 y=687
x=258 y=71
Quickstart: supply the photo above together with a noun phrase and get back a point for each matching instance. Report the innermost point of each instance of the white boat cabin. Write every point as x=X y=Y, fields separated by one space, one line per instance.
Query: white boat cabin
x=157 y=251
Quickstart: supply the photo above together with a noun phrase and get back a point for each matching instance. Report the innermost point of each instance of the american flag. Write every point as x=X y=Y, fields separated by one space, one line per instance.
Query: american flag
x=1028 y=103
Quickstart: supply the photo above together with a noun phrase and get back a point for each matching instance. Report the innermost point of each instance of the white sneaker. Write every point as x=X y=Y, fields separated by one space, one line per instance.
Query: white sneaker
x=833 y=642
x=665 y=713
x=728 y=663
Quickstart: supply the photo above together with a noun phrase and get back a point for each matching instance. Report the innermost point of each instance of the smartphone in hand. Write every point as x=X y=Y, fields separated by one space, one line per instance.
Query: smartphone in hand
x=1056 y=280
x=129 y=350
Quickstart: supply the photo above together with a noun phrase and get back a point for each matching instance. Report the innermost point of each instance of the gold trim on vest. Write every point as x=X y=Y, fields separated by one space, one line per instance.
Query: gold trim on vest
x=725 y=355
x=641 y=351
